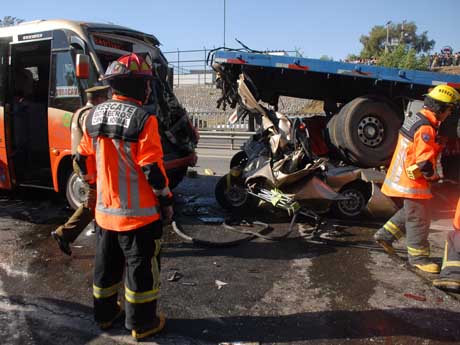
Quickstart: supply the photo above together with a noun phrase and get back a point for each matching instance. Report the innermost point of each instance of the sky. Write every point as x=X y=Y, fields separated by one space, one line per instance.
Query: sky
x=316 y=28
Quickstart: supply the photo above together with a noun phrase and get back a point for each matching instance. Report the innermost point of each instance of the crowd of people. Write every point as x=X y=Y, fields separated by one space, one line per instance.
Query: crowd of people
x=441 y=59
x=371 y=61
x=444 y=59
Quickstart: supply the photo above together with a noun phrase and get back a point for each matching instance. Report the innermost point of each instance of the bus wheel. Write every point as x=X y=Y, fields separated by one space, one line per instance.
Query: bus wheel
x=75 y=191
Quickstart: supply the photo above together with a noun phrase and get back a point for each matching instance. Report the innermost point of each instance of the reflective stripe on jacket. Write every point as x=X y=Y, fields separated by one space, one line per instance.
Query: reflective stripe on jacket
x=123 y=139
x=416 y=145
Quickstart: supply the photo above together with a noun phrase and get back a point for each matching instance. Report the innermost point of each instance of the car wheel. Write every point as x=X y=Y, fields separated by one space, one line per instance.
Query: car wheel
x=358 y=193
x=233 y=196
x=240 y=158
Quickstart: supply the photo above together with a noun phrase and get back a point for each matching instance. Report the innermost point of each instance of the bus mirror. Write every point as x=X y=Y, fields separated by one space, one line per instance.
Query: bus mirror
x=82 y=69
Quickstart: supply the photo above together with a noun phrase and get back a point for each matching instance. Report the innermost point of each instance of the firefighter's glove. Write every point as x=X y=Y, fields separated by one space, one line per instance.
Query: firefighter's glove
x=91 y=197
x=165 y=200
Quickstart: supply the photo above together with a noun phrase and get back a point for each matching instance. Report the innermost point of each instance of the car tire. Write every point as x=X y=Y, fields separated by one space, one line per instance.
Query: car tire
x=359 y=193
x=240 y=158
x=236 y=198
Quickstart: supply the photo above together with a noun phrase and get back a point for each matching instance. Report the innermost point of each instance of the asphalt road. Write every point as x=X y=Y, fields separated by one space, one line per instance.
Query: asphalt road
x=339 y=289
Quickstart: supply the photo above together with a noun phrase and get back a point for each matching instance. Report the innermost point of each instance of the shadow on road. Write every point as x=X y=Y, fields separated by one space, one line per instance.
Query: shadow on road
x=321 y=325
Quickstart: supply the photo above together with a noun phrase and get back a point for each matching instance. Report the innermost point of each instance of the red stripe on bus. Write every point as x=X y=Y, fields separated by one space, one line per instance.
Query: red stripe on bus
x=298 y=67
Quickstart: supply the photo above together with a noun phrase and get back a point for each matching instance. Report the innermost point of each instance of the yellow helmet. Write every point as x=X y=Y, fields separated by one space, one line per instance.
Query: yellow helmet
x=445 y=94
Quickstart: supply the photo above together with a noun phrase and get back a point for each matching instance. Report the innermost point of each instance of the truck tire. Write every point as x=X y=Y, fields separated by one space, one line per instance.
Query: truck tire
x=75 y=190
x=366 y=131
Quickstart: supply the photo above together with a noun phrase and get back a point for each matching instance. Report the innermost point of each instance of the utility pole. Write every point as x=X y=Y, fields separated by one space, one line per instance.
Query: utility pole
x=225 y=15
x=387 y=42
x=402 y=31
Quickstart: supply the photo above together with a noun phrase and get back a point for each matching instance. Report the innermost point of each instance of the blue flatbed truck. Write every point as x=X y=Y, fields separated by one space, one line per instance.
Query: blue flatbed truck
x=364 y=105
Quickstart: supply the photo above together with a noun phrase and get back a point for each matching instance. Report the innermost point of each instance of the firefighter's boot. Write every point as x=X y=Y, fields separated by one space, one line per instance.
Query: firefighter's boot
x=426 y=265
x=139 y=334
x=64 y=245
x=447 y=284
x=385 y=240
x=108 y=324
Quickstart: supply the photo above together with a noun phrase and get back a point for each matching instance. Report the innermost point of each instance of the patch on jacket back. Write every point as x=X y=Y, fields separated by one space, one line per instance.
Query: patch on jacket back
x=117 y=114
x=426 y=137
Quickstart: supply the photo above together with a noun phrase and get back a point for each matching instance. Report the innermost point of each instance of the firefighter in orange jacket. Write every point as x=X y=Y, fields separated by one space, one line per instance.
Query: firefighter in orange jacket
x=412 y=169
x=122 y=148
x=449 y=278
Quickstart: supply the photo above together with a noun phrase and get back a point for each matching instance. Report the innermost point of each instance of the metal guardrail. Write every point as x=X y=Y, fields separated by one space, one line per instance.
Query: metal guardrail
x=223 y=139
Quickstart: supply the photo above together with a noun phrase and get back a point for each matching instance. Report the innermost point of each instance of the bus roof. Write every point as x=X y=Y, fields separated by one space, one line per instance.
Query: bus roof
x=77 y=26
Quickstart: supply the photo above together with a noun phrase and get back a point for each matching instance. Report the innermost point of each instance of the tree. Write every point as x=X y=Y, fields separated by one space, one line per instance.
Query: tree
x=326 y=58
x=404 y=57
x=403 y=33
x=10 y=21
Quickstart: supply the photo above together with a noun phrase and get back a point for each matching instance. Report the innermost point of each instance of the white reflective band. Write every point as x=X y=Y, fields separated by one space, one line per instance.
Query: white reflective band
x=105 y=292
x=141 y=297
x=128 y=212
x=406 y=190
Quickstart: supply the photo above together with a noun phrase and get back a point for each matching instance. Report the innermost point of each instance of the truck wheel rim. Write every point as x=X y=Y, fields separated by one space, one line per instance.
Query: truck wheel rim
x=371 y=131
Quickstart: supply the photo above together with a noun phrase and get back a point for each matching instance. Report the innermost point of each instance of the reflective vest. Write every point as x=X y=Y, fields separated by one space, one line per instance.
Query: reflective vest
x=457 y=217
x=123 y=138
x=416 y=145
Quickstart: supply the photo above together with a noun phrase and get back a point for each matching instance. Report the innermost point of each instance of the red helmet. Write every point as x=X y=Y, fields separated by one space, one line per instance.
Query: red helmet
x=129 y=66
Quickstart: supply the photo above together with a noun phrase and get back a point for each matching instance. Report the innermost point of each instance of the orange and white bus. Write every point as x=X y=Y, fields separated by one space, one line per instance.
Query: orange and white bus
x=45 y=66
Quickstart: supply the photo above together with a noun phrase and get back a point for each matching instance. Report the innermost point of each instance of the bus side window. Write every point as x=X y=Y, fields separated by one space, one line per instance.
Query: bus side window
x=64 y=83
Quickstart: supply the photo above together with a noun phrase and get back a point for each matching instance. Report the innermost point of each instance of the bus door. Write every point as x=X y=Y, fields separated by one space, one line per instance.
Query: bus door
x=5 y=181
x=30 y=74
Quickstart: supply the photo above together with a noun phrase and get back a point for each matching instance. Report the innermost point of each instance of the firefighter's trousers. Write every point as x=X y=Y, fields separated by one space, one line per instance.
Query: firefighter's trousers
x=77 y=222
x=82 y=216
x=451 y=261
x=412 y=220
x=137 y=251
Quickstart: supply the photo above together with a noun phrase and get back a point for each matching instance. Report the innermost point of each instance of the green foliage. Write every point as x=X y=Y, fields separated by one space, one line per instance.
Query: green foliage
x=326 y=58
x=404 y=57
x=10 y=21
x=403 y=33
x=352 y=57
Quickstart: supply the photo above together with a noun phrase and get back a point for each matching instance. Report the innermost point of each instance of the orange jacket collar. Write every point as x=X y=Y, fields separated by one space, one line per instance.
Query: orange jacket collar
x=431 y=116
x=124 y=98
